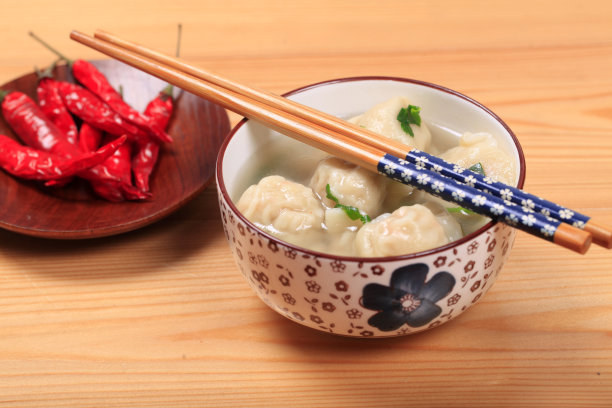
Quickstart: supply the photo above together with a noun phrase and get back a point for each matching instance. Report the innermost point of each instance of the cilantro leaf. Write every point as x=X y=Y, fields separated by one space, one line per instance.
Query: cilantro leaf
x=352 y=212
x=460 y=210
x=477 y=168
x=410 y=115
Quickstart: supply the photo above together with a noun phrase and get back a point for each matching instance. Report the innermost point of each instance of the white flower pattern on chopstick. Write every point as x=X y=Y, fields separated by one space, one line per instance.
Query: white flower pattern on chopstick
x=406 y=175
x=390 y=168
x=421 y=162
x=497 y=209
x=423 y=179
x=486 y=199
x=458 y=169
x=470 y=180
x=479 y=200
x=506 y=194
x=528 y=219
x=437 y=186
x=458 y=196
x=548 y=230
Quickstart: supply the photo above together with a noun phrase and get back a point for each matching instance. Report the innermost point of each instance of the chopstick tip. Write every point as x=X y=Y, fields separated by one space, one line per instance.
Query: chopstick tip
x=573 y=238
x=99 y=33
x=602 y=235
x=75 y=34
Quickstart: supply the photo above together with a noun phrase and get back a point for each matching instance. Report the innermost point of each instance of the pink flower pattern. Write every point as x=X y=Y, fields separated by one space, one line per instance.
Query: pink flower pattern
x=336 y=305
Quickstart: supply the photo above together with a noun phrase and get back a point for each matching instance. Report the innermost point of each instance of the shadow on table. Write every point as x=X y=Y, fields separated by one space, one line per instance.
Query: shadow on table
x=318 y=343
x=188 y=231
x=376 y=371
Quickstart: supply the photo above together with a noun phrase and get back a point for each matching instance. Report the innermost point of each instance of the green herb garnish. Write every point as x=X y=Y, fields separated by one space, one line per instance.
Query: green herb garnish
x=352 y=212
x=409 y=116
x=477 y=168
x=460 y=210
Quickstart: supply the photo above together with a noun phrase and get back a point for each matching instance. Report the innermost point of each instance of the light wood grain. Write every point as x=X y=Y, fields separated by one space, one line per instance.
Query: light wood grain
x=161 y=317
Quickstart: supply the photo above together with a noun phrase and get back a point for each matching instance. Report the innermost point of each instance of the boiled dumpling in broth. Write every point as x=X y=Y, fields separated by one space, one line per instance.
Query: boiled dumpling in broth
x=281 y=206
x=452 y=228
x=483 y=148
x=382 y=119
x=477 y=148
x=408 y=229
x=405 y=219
x=336 y=220
x=350 y=184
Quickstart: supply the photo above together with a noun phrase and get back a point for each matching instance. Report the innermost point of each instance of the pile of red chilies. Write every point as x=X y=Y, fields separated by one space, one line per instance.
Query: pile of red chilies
x=56 y=150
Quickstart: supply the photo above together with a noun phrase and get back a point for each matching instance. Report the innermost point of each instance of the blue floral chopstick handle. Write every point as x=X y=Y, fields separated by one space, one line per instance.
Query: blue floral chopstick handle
x=521 y=217
x=529 y=202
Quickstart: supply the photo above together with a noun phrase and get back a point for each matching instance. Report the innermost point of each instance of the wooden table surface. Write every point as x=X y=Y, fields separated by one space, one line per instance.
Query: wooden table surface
x=161 y=317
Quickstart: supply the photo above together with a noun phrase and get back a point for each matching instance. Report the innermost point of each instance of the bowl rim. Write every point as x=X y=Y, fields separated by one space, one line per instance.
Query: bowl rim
x=223 y=190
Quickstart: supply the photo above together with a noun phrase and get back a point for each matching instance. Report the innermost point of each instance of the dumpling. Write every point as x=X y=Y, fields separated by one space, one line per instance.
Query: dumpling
x=407 y=230
x=399 y=194
x=336 y=221
x=382 y=119
x=350 y=184
x=282 y=206
x=483 y=148
x=452 y=228
x=467 y=220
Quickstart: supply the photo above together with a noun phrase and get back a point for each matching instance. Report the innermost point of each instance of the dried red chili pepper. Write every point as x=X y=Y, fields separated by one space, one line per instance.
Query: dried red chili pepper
x=94 y=111
x=90 y=137
x=159 y=110
x=119 y=166
x=88 y=75
x=144 y=162
x=108 y=184
x=37 y=131
x=52 y=105
x=111 y=188
x=108 y=191
x=33 y=164
x=120 y=162
x=33 y=127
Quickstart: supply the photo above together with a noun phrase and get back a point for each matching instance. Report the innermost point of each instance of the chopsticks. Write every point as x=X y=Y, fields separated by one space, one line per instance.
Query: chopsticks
x=360 y=147
x=600 y=234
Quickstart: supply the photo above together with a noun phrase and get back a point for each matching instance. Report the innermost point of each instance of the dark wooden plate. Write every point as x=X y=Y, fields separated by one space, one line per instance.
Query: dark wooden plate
x=184 y=169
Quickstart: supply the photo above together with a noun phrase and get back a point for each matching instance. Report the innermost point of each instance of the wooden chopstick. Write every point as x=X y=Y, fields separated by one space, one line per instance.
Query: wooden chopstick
x=352 y=150
x=601 y=235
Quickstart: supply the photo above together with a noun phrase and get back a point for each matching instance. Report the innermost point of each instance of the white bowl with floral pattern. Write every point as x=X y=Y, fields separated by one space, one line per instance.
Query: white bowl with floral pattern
x=367 y=297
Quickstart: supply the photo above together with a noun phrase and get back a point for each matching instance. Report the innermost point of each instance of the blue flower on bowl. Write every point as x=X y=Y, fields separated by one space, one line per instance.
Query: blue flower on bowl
x=408 y=299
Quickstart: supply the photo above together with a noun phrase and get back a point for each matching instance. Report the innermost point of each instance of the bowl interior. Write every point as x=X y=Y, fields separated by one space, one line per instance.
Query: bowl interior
x=448 y=114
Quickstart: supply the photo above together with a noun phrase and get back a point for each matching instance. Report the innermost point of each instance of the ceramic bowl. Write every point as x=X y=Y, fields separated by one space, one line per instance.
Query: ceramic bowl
x=366 y=297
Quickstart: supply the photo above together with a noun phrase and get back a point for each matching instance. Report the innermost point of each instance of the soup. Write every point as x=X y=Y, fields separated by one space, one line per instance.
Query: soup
x=307 y=198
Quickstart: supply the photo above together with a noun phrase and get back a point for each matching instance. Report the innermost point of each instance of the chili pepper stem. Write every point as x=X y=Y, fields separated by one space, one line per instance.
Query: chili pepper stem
x=169 y=89
x=50 y=48
x=47 y=73
x=178 y=39
x=3 y=93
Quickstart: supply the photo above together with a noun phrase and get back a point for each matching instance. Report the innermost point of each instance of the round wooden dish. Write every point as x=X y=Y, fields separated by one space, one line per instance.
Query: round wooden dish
x=184 y=169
